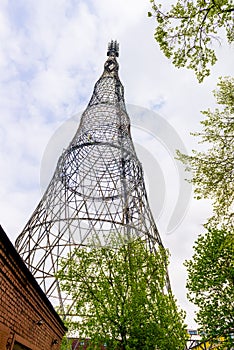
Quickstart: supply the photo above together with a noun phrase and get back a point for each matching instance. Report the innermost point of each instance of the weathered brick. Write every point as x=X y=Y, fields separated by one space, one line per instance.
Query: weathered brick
x=23 y=305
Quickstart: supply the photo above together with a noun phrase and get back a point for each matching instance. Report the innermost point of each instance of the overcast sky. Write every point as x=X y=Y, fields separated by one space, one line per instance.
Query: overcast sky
x=51 y=54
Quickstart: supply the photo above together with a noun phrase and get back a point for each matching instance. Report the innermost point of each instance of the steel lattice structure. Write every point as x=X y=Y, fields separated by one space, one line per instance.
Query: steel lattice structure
x=97 y=189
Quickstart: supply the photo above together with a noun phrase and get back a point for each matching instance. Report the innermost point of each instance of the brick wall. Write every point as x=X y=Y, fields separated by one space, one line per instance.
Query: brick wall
x=26 y=315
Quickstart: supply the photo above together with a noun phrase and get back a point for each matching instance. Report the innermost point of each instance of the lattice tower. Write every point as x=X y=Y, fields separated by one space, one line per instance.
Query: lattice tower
x=97 y=189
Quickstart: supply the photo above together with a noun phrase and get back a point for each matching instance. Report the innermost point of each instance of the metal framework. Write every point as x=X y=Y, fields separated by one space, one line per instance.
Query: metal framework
x=97 y=189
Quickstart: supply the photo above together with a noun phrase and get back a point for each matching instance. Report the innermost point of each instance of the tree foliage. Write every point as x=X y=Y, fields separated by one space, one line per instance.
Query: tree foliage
x=211 y=269
x=211 y=284
x=186 y=33
x=118 y=294
x=66 y=344
x=212 y=170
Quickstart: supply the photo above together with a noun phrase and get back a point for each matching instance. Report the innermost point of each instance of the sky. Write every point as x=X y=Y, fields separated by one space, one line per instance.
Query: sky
x=51 y=54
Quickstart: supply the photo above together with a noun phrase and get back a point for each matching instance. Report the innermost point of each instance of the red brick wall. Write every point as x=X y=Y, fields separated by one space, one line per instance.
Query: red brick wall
x=26 y=316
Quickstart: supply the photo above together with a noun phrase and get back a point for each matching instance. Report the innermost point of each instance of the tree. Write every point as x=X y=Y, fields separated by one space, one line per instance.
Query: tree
x=211 y=284
x=212 y=170
x=66 y=344
x=211 y=269
x=188 y=30
x=118 y=295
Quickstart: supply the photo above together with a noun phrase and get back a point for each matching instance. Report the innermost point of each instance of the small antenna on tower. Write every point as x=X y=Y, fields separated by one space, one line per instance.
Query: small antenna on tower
x=113 y=48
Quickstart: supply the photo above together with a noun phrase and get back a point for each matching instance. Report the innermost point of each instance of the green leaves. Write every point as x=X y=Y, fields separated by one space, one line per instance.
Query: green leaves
x=212 y=170
x=211 y=269
x=211 y=283
x=186 y=33
x=66 y=344
x=119 y=297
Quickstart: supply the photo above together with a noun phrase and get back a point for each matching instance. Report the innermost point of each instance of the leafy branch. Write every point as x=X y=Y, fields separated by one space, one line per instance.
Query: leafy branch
x=187 y=31
x=212 y=170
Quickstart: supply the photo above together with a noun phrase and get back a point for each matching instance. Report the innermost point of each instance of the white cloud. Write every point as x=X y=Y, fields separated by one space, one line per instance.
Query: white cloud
x=51 y=54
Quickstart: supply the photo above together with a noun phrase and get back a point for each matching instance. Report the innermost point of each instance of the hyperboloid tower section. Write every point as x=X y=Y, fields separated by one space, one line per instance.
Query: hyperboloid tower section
x=97 y=190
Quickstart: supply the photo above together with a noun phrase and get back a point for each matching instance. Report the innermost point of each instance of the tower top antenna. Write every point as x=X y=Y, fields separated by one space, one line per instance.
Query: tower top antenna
x=113 y=48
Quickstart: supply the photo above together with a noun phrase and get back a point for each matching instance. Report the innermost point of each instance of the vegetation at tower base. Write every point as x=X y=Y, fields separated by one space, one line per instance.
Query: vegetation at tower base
x=187 y=31
x=118 y=292
x=211 y=269
x=211 y=285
